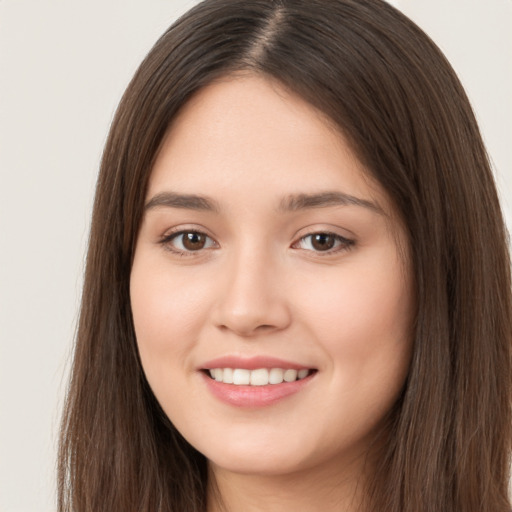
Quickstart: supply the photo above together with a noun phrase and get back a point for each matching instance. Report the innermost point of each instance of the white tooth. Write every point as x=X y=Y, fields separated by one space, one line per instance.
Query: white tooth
x=212 y=373
x=275 y=376
x=302 y=373
x=290 y=375
x=259 y=377
x=218 y=374
x=227 y=378
x=241 y=376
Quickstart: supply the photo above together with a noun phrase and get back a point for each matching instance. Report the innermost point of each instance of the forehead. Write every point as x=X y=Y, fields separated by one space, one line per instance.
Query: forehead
x=250 y=133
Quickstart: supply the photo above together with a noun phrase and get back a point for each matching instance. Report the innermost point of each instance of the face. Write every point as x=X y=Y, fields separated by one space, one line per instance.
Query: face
x=270 y=288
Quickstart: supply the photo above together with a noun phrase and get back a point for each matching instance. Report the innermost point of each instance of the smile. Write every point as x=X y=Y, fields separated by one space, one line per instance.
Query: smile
x=257 y=377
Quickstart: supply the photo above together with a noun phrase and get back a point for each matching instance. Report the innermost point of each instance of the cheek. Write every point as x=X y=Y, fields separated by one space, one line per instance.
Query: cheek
x=166 y=315
x=365 y=327
x=363 y=318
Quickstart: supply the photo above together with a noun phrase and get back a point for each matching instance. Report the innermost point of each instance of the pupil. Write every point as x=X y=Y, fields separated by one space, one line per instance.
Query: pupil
x=323 y=242
x=193 y=241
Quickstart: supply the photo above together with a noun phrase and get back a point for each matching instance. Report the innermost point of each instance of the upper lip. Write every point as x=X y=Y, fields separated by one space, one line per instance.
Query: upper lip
x=251 y=363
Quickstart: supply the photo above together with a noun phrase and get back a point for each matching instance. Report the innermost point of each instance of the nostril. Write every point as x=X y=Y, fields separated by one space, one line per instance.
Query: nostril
x=247 y=330
x=265 y=327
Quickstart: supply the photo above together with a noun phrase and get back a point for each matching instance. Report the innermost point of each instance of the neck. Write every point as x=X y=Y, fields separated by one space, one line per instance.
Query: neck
x=325 y=489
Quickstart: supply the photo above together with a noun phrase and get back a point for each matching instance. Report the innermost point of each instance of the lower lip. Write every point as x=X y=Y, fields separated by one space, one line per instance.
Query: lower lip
x=254 y=396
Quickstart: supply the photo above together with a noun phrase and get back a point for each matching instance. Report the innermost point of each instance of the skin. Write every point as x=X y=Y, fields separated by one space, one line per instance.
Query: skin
x=259 y=286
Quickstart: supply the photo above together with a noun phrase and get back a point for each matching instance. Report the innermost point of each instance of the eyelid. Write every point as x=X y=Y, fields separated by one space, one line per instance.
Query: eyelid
x=342 y=243
x=174 y=233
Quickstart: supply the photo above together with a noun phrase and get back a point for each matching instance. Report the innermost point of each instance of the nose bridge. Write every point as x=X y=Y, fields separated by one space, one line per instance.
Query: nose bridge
x=253 y=298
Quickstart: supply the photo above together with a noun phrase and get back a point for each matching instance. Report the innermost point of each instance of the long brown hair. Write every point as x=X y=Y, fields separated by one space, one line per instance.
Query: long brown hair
x=399 y=103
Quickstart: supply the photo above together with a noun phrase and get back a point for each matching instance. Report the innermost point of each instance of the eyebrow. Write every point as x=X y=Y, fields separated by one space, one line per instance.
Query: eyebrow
x=296 y=202
x=186 y=201
x=291 y=203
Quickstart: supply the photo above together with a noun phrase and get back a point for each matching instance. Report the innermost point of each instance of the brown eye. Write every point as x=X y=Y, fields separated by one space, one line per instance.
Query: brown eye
x=194 y=241
x=188 y=241
x=323 y=241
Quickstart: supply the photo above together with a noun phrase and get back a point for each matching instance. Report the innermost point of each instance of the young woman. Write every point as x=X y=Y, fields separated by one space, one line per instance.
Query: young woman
x=297 y=293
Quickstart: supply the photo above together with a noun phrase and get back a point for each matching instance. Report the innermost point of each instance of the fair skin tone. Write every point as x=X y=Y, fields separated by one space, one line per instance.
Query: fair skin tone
x=266 y=249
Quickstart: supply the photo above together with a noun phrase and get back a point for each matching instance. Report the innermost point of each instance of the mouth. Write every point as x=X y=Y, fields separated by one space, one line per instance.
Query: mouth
x=256 y=381
x=258 y=376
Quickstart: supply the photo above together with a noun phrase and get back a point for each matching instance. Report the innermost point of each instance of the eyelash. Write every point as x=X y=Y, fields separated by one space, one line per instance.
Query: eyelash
x=342 y=243
x=167 y=240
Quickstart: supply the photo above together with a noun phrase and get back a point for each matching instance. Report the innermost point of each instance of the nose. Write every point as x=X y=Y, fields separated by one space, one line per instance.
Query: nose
x=253 y=298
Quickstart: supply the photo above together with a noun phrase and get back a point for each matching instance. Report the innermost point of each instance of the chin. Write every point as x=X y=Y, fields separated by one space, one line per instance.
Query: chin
x=263 y=464
x=258 y=458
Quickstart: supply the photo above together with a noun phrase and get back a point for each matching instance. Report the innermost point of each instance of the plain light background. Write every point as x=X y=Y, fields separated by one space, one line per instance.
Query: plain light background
x=63 y=67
